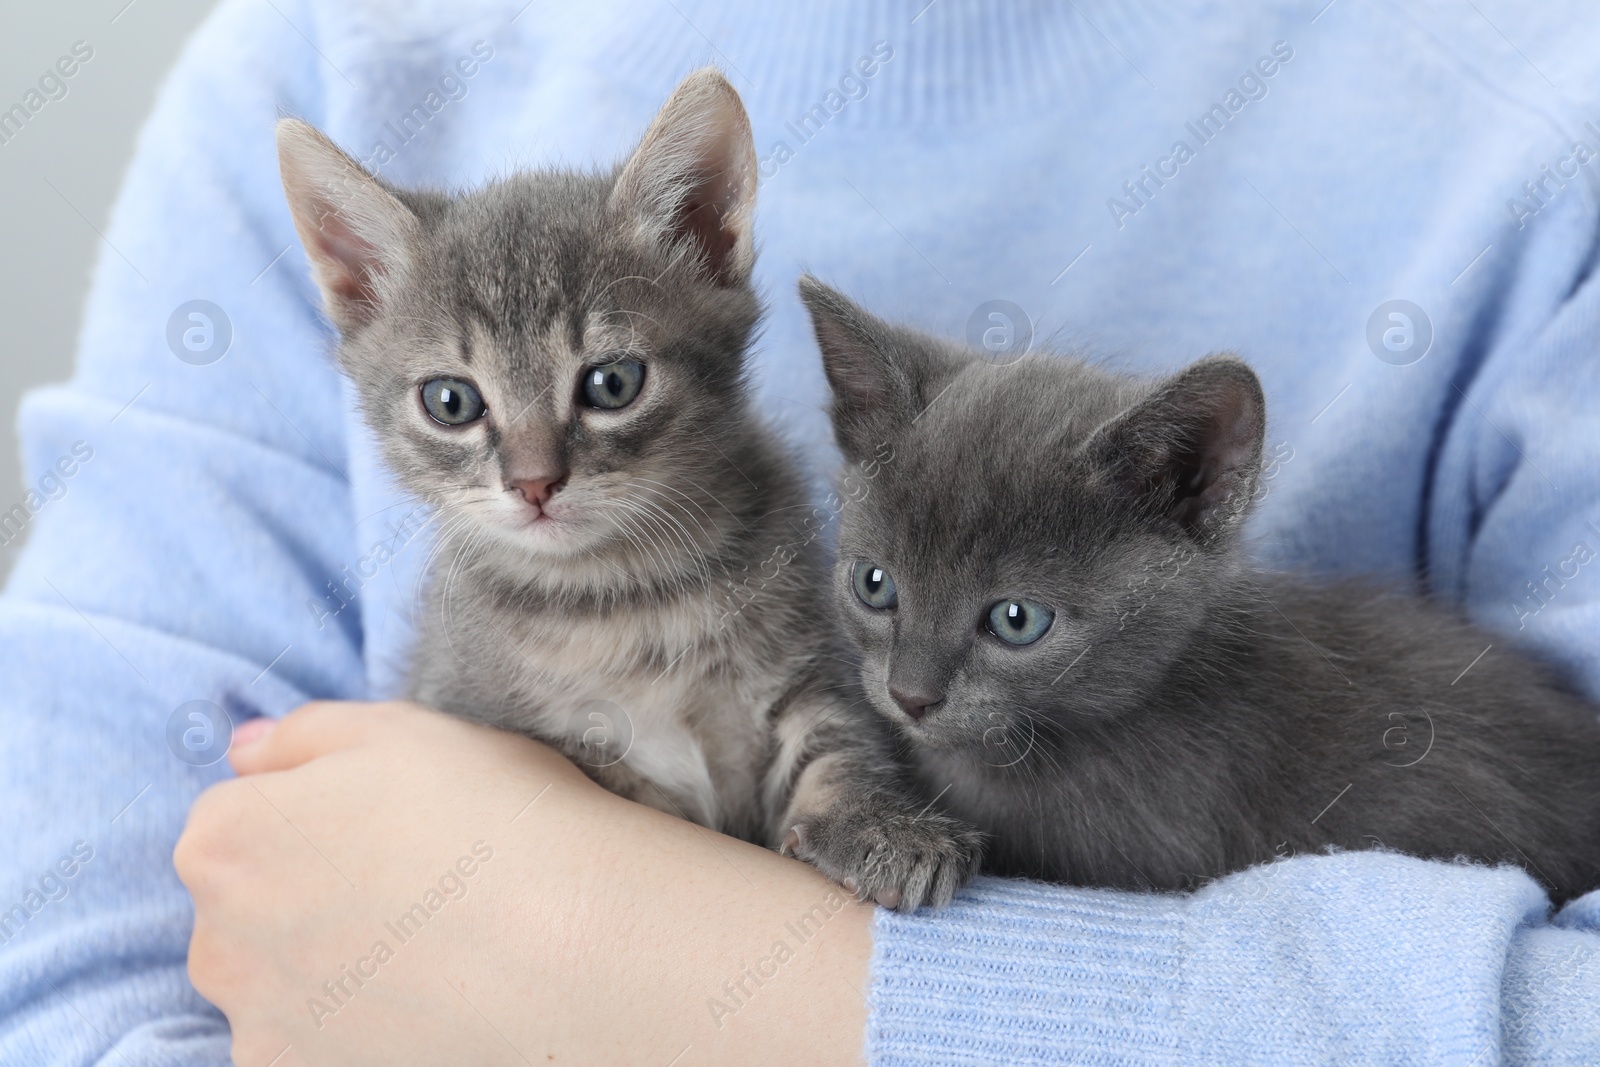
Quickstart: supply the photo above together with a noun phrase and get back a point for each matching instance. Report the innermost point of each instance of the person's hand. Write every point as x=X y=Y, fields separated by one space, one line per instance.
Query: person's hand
x=389 y=885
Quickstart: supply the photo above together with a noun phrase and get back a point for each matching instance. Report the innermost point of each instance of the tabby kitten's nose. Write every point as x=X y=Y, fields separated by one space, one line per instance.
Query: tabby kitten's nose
x=915 y=702
x=539 y=490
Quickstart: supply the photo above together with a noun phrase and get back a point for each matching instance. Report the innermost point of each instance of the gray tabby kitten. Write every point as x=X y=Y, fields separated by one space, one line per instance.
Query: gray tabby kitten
x=556 y=362
x=1050 y=597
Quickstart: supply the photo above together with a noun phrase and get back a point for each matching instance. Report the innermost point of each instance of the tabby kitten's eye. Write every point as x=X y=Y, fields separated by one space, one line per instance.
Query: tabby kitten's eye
x=452 y=402
x=1020 y=622
x=613 y=385
x=874 y=586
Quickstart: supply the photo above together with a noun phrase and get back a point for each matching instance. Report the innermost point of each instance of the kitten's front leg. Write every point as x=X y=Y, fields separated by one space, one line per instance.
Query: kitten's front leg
x=850 y=814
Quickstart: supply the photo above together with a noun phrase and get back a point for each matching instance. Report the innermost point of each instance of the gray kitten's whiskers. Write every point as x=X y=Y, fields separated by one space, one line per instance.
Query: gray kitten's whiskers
x=999 y=577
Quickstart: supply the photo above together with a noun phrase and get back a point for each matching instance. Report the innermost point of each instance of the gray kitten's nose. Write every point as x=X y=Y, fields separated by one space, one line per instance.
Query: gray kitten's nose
x=539 y=489
x=915 y=702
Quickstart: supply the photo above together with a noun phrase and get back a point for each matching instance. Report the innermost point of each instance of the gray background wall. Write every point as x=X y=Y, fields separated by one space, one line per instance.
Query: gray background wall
x=59 y=175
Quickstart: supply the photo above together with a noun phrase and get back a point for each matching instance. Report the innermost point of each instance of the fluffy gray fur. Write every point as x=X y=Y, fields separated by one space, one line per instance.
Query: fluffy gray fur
x=638 y=587
x=1185 y=715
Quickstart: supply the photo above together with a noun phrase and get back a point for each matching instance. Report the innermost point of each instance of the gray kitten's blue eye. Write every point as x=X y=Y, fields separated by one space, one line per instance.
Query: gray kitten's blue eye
x=874 y=586
x=1020 y=622
x=613 y=385
x=451 y=401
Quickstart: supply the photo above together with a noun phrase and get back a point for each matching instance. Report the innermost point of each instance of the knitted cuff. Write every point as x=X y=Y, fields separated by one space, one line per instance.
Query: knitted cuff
x=1016 y=972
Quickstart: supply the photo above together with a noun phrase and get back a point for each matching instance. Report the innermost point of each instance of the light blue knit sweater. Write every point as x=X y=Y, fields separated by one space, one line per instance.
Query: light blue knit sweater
x=1152 y=180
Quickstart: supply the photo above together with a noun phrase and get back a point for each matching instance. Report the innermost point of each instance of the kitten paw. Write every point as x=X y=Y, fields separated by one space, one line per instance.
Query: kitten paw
x=880 y=851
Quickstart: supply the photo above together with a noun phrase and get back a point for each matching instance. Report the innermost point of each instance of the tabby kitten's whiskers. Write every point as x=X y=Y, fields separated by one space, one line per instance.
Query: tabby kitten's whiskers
x=557 y=362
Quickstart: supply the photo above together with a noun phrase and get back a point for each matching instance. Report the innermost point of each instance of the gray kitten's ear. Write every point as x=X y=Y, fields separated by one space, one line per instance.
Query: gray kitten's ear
x=1191 y=450
x=354 y=229
x=692 y=180
x=883 y=376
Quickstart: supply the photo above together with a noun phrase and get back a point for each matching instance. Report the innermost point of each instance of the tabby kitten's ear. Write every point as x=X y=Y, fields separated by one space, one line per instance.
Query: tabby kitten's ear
x=354 y=229
x=691 y=184
x=1191 y=451
x=883 y=376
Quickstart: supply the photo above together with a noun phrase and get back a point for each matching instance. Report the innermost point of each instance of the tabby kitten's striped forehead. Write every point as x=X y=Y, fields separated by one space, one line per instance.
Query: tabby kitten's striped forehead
x=547 y=359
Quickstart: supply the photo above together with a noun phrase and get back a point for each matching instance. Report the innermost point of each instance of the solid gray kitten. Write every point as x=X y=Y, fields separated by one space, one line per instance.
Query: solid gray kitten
x=1051 y=601
x=556 y=362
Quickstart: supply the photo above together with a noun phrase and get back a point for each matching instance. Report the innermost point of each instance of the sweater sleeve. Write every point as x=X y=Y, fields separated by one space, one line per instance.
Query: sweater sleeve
x=187 y=500
x=1356 y=958
x=1514 y=512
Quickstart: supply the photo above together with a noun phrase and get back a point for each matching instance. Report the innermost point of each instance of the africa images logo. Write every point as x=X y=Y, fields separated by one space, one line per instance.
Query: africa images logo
x=1139 y=190
x=52 y=85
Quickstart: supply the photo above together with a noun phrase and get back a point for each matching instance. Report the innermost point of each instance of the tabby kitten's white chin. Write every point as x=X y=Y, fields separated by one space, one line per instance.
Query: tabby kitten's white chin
x=552 y=532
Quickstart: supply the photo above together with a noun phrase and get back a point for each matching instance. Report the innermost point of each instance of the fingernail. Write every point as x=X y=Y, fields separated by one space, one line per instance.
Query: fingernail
x=252 y=730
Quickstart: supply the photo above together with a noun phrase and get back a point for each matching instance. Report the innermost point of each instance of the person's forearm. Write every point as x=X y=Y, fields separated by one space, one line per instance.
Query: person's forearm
x=472 y=896
x=755 y=958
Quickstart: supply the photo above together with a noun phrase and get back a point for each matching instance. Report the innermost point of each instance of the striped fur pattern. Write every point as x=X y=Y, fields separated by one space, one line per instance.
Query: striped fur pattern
x=638 y=586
